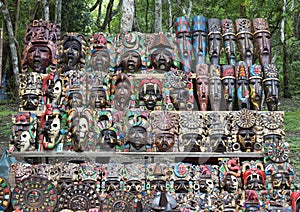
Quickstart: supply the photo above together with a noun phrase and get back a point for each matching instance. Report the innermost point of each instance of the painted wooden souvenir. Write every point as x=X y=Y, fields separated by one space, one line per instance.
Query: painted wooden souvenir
x=158 y=176
x=75 y=197
x=150 y=93
x=34 y=193
x=244 y=35
x=228 y=83
x=255 y=85
x=161 y=51
x=184 y=42
x=295 y=200
x=53 y=129
x=110 y=132
x=199 y=38
x=53 y=90
x=5 y=193
x=279 y=176
x=217 y=132
x=75 y=99
x=255 y=200
x=72 y=53
x=253 y=175
x=30 y=91
x=214 y=40
x=98 y=91
x=21 y=171
x=24 y=132
x=202 y=86
x=138 y=131
x=134 y=177
x=90 y=172
x=271 y=86
x=118 y=201
x=229 y=41
x=130 y=53
x=178 y=91
x=230 y=174
x=242 y=85
x=192 y=133
x=165 y=130
x=215 y=87
x=262 y=40
x=101 y=58
x=40 y=50
x=246 y=131
x=112 y=179
x=122 y=92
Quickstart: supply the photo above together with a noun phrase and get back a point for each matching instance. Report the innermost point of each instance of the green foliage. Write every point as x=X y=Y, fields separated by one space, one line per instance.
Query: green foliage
x=76 y=17
x=292 y=122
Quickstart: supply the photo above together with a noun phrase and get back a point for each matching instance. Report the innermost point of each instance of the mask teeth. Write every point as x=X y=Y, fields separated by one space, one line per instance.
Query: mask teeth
x=155 y=88
x=145 y=88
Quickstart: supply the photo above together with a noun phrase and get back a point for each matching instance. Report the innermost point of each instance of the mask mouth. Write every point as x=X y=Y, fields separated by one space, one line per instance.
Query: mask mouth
x=265 y=51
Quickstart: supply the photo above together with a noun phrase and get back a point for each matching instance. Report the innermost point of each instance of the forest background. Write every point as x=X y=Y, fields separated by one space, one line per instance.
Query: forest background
x=148 y=16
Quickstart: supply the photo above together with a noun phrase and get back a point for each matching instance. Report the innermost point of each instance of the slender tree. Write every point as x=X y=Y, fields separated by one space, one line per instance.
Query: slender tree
x=158 y=16
x=46 y=10
x=57 y=19
x=127 y=16
x=12 y=42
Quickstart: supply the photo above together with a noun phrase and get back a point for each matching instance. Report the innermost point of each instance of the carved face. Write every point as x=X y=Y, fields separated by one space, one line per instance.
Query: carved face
x=164 y=141
x=231 y=183
x=185 y=49
x=179 y=98
x=72 y=52
x=122 y=94
x=245 y=43
x=134 y=186
x=75 y=100
x=131 y=62
x=229 y=92
x=263 y=47
x=247 y=139
x=255 y=92
x=271 y=88
x=39 y=58
x=159 y=185
x=217 y=142
x=25 y=140
x=54 y=91
x=190 y=140
x=215 y=87
x=30 y=101
x=109 y=137
x=97 y=99
x=181 y=186
x=280 y=181
x=151 y=96
x=254 y=182
x=230 y=48
x=202 y=92
x=242 y=87
x=137 y=136
x=214 y=47
x=100 y=61
x=52 y=129
x=161 y=60
x=200 y=46
x=112 y=185
x=83 y=129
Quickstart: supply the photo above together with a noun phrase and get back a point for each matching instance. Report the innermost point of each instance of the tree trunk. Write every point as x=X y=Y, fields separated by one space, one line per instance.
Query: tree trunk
x=127 y=16
x=107 y=15
x=286 y=92
x=46 y=10
x=170 y=16
x=58 y=4
x=98 y=21
x=35 y=10
x=158 y=16
x=17 y=18
x=12 y=44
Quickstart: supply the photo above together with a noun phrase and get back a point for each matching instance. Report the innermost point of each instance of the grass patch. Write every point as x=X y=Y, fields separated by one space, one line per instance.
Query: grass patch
x=292 y=122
